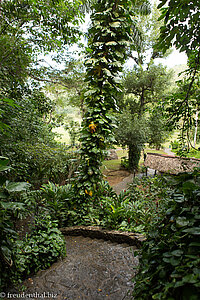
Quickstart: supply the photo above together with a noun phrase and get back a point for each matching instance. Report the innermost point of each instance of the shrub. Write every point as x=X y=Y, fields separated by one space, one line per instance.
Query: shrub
x=135 y=209
x=11 y=209
x=169 y=262
x=175 y=144
x=39 y=163
x=38 y=250
x=58 y=201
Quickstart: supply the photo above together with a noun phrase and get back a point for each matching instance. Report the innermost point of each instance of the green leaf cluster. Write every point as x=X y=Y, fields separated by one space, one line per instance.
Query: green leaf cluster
x=38 y=250
x=181 y=25
x=169 y=262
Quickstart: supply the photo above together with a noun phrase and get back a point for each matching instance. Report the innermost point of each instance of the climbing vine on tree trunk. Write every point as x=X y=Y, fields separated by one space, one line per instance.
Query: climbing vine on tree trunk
x=109 y=36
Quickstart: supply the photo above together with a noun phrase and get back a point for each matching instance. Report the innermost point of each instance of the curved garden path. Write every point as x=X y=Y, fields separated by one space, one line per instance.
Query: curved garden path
x=123 y=185
x=169 y=152
x=93 y=269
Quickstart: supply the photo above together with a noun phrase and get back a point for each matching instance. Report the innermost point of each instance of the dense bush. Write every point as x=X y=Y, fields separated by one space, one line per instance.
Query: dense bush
x=39 y=163
x=38 y=250
x=169 y=263
x=57 y=201
x=133 y=210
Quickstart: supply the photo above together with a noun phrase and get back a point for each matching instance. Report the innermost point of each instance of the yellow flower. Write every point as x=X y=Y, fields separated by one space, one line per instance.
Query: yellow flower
x=92 y=127
x=88 y=193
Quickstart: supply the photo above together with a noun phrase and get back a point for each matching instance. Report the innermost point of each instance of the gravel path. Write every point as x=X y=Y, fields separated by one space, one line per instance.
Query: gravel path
x=123 y=185
x=169 y=152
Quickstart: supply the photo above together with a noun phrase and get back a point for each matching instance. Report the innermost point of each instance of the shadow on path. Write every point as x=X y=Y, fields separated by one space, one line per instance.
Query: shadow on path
x=93 y=269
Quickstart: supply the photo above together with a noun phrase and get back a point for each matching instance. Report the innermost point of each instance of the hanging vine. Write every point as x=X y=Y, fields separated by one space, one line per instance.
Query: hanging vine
x=109 y=36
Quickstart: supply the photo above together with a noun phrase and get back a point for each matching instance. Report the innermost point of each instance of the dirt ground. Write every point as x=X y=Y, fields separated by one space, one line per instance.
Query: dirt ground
x=115 y=176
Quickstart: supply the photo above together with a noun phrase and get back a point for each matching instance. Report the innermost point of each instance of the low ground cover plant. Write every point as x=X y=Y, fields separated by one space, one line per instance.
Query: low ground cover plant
x=38 y=250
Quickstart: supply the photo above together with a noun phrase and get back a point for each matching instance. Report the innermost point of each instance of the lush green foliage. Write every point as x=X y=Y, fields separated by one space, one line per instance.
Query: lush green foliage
x=39 y=163
x=157 y=128
x=54 y=200
x=169 y=262
x=38 y=250
x=181 y=28
x=145 y=86
x=175 y=15
x=182 y=107
x=42 y=246
x=144 y=90
x=109 y=35
x=133 y=210
x=10 y=210
x=132 y=131
x=28 y=29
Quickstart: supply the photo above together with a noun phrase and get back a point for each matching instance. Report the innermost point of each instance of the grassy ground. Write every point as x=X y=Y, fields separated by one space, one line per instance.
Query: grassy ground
x=194 y=153
x=111 y=164
x=155 y=151
x=115 y=164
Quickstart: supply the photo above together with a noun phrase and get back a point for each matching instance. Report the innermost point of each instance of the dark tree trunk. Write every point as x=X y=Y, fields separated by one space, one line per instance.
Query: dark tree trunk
x=142 y=102
x=133 y=157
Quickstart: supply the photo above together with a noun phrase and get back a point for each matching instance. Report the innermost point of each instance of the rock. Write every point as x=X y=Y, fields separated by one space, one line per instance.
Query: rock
x=112 y=154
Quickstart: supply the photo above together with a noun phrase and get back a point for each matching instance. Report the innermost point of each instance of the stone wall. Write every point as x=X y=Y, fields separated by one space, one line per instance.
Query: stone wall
x=170 y=164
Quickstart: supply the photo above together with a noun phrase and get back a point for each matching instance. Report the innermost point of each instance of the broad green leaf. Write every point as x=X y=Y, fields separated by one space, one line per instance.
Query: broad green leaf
x=111 y=43
x=119 y=54
x=182 y=221
x=194 y=244
x=17 y=186
x=177 y=252
x=90 y=92
x=173 y=261
x=193 y=230
x=115 y=24
x=107 y=72
x=4 y=168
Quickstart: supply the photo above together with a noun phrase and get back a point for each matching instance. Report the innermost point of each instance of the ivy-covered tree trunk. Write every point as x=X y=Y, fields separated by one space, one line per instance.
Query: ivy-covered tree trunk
x=109 y=36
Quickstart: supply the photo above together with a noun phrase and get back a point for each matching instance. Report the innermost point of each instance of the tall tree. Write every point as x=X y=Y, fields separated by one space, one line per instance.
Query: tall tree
x=29 y=28
x=144 y=84
x=109 y=37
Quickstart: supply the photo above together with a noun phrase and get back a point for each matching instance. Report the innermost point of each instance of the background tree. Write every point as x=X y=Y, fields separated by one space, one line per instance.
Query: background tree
x=132 y=131
x=144 y=91
x=158 y=132
x=145 y=85
x=28 y=29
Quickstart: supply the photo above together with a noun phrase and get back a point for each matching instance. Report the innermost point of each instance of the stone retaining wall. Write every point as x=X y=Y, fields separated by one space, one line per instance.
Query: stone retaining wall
x=133 y=239
x=170 y=164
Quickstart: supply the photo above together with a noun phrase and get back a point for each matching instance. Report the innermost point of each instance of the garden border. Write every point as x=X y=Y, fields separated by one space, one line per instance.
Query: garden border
x=131 y=238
